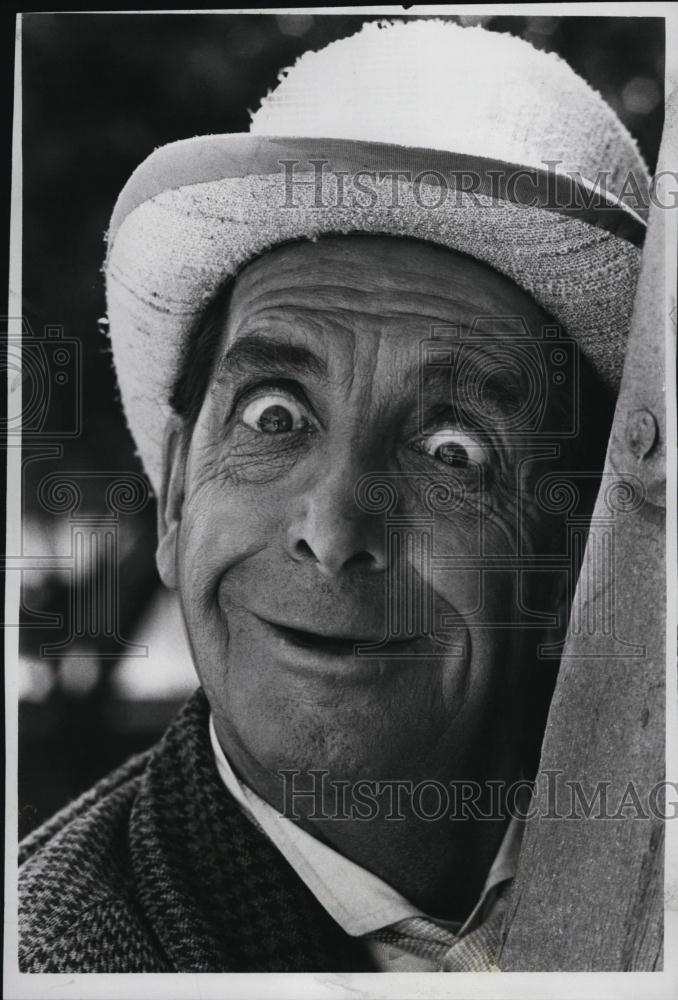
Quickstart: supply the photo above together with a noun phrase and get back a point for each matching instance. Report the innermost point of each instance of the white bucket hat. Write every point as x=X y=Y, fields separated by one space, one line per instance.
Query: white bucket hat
x=464 y=137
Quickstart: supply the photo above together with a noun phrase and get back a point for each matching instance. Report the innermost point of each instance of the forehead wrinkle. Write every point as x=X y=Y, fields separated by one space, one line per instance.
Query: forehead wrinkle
x=417 y=304
x=411 y=294
x=261 y=334
x=354 y=268
x=311 y=334
x=420 y=290
x=315 y=325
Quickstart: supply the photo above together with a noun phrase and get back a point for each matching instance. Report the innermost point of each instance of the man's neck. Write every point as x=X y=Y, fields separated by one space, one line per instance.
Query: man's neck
x=438 y=864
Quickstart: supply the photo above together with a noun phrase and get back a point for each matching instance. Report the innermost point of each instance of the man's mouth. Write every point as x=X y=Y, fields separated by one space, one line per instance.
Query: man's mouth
x=333 y=645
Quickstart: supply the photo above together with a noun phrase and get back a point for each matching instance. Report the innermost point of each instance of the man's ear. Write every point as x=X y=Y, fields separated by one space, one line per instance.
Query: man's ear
x=171 y=499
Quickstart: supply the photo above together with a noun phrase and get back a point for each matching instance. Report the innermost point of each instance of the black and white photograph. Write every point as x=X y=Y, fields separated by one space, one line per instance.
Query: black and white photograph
x=340 y=575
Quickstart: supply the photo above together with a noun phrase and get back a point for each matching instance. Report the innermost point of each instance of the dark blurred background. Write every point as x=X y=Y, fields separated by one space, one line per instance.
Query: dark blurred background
x=100 y=92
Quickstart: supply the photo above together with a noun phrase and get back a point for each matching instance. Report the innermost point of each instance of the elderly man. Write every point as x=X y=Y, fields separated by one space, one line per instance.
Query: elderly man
x=343 y=360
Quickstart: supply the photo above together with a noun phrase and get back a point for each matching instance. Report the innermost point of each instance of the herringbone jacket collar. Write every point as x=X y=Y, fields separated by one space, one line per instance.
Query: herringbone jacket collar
x=217 y=894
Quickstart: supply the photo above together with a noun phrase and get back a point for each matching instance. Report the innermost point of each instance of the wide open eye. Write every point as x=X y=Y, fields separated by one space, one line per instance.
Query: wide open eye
x=453 y=448
x=275 y=413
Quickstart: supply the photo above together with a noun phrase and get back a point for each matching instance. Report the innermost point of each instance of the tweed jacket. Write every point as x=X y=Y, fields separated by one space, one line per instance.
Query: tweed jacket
x=156 y=869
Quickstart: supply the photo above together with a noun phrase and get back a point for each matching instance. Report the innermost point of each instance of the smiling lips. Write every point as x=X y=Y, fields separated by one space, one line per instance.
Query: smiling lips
x=332 y=645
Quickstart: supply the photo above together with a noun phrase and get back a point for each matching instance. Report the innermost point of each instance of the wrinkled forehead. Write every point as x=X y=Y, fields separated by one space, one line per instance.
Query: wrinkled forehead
x=347 y=298
x=378 y=277
x=396 y=314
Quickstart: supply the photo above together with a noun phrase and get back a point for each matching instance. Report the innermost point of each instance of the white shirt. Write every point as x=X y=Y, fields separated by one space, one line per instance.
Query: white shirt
x=357 y=900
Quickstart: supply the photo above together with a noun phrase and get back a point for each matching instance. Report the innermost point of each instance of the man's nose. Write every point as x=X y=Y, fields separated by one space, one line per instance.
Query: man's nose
x=327 y=527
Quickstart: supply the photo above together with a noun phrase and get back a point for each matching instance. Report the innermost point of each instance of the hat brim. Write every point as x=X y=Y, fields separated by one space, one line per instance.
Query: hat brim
x=197 y=210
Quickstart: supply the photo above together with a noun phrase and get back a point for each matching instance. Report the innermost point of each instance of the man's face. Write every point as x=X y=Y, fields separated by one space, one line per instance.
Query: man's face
x=281 y=569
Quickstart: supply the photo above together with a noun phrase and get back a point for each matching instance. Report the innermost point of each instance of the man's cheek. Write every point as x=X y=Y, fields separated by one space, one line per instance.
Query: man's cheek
x=222 y=530
x=469 y=577
x=471 y=598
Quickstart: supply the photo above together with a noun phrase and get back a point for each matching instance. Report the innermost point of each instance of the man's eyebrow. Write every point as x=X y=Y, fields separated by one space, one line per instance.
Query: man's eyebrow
x=266 y=356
